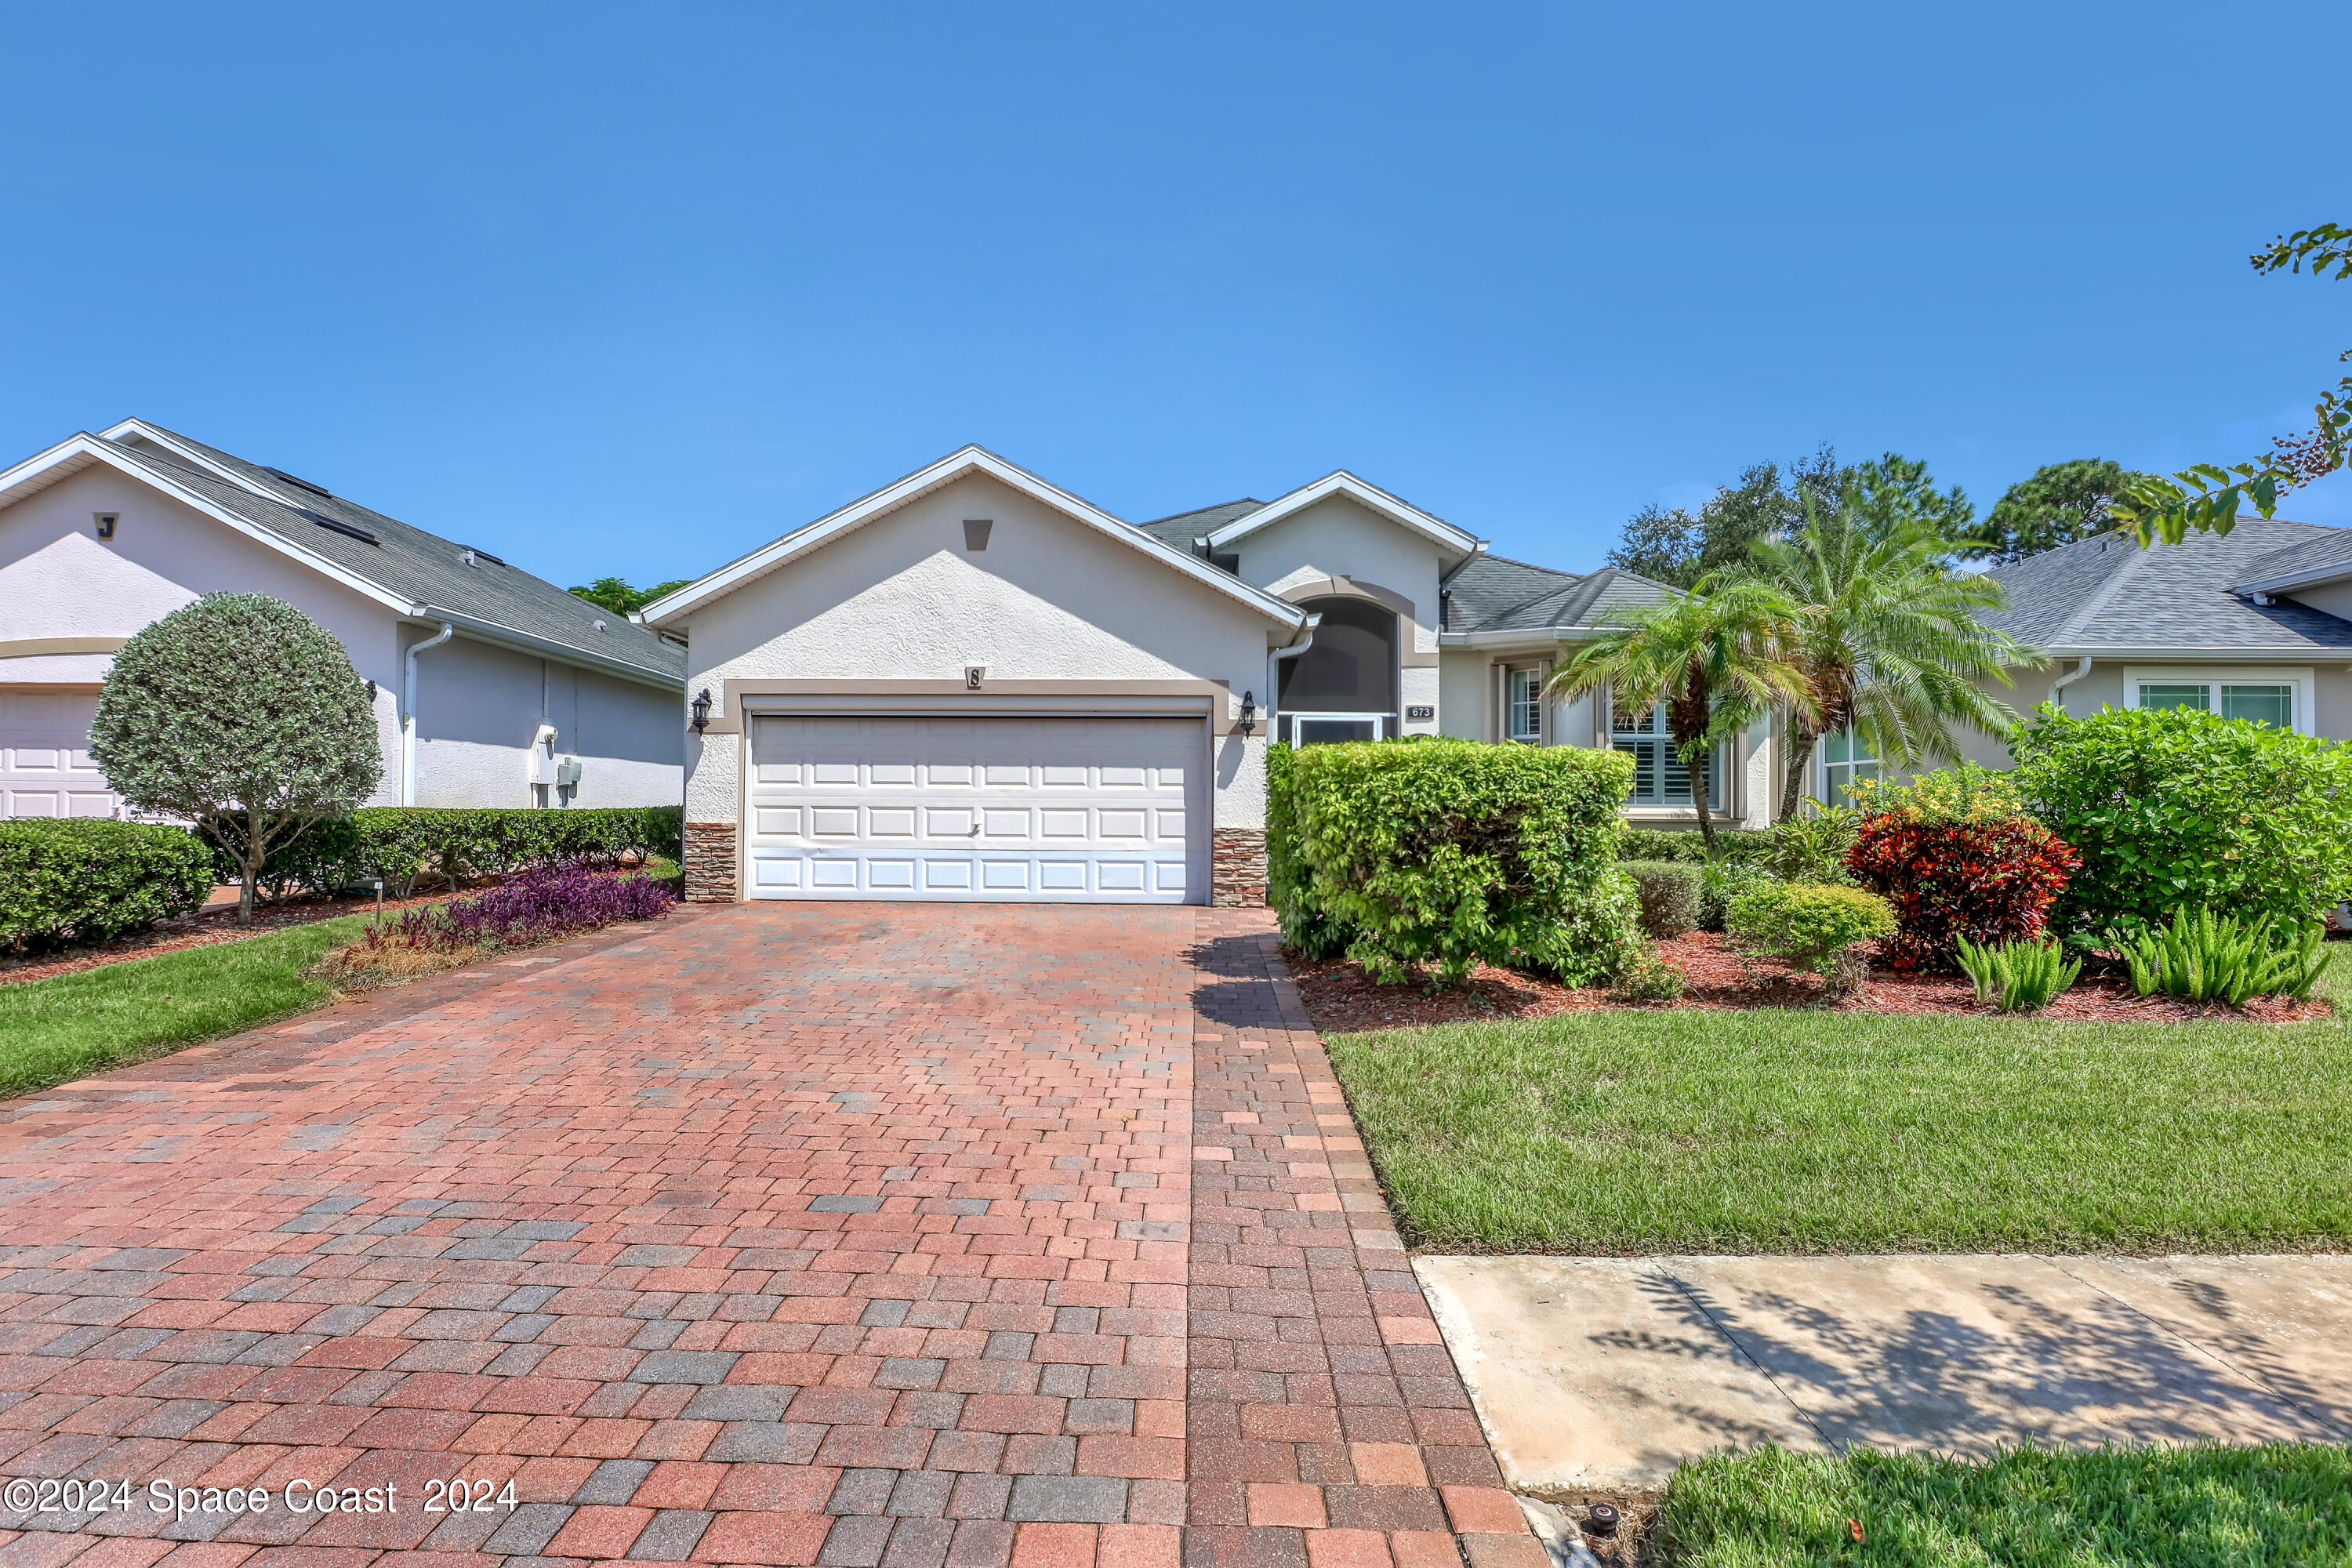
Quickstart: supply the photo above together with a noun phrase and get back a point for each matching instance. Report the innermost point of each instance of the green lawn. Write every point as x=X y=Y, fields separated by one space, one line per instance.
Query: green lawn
x=52 y=1030
x=2275 y=1505
x=1770 y=1131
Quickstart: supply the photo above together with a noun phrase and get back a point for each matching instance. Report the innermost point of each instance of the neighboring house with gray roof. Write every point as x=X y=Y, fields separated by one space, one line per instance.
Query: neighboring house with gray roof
x=2256 y=624
x=491 y=687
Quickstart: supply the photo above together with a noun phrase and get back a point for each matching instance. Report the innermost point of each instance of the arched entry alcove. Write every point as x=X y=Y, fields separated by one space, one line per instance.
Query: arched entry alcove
x=1344 y=687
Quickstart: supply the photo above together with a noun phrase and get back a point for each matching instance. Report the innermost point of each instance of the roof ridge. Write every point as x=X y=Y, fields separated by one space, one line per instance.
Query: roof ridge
x=1195 y=512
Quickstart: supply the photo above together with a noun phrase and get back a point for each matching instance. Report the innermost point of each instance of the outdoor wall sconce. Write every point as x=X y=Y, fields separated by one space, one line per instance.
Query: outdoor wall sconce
x=701 y=708
x=1249 y=714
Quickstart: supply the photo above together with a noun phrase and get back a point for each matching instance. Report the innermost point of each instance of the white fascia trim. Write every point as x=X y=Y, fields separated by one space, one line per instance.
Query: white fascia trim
x=2249 y=655
x=1534 y=637
x=1339 y=481
x=545 y=647
x=89 y=446
x=2286 y=582
x=165 y=438
x=955 y=466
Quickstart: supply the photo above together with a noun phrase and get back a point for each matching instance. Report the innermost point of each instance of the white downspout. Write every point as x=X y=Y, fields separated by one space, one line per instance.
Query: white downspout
x=2081 y=668
x=1274 y=674
x=408 y=715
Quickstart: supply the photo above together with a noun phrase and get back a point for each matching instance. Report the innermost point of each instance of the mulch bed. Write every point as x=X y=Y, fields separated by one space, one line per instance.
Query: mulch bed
x=1343 y=1000
x=205 y=929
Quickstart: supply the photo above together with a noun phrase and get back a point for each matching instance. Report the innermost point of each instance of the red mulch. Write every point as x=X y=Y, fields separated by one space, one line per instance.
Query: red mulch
x=1342 y=1000
x=204 y=928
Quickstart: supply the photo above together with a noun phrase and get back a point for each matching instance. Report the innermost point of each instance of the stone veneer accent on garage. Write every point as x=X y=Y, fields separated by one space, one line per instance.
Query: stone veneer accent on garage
x=1237 y=868
x=711 y=876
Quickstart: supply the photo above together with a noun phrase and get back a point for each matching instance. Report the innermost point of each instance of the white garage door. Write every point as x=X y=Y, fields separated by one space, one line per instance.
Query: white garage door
x=45 y=766
x=995 y=809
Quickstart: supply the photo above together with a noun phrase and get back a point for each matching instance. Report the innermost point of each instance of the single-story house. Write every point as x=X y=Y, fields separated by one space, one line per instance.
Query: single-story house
x=491 y=687
x=972 y=684
x=2256 y=624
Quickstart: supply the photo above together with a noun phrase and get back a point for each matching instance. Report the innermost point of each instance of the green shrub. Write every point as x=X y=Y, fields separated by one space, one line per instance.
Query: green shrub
x=1648 y=978
x=240 y=713
x=1965 y=796
x=74 y=881
x=2173 y=809
x=2017 y=976
x=1307 y=924
x=2218 y=958
x=401 y=846
x=1668 y=892
x=1736 y=844
x=1449 y=853
x=1719 y=882
x=1810 y=927
x=1813 y=848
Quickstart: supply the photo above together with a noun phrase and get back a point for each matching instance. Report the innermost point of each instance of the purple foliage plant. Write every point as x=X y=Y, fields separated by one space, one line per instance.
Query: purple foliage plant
x=531 y=907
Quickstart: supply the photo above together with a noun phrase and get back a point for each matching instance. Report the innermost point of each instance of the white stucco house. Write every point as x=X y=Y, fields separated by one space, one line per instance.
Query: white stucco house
x=972 y=684
x=491 y=687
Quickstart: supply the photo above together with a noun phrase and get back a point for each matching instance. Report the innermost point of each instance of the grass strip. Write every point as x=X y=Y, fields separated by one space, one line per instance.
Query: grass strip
x=2277 y=1504
x=53 y=1030
x=1791 y=1131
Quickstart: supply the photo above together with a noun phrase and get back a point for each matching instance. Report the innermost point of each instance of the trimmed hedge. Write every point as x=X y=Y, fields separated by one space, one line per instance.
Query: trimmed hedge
x=400 y=845
x=1450 y=853
x=1808 y=926
x=1669 y=894
x=2173 y=809
x=76 y=882
x=1754 y=845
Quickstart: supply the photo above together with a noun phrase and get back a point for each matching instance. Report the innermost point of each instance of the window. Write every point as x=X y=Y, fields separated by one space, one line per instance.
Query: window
x=2279 y=698
x=1523 y=705
x=1845 y=760
x=1661 y=777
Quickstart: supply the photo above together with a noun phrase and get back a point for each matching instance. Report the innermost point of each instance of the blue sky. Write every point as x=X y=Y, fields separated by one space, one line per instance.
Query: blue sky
x=637 y=288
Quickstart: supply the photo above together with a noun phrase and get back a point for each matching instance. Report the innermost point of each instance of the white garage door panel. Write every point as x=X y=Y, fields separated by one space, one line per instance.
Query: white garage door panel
x=1008 y=809
x=45 y=766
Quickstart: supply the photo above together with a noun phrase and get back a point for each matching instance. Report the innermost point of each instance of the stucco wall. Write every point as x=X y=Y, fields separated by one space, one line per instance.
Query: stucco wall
x=1336 y=537
x=902 y=599
x=1466 y=694
x=478 y=706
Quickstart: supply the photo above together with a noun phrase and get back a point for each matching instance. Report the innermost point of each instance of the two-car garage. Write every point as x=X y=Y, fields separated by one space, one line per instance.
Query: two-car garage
x=986 y=808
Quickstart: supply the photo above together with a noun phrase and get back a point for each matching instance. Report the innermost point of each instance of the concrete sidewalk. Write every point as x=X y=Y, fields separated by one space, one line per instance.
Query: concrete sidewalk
x=1603 y=1374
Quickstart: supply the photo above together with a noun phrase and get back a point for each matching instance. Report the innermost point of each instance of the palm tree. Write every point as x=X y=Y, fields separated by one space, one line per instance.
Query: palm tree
x=1717 y=658
x=1887 y=636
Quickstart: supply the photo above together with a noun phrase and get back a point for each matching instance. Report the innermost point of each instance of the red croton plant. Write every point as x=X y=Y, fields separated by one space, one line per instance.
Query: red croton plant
x=1955 y=857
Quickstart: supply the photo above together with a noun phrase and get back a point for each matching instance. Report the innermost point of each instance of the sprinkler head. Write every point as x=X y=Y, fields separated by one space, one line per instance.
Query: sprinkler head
x=1600 y=1519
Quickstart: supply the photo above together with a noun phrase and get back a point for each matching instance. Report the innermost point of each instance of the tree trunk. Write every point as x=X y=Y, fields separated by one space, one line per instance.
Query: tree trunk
x=253 y=858
x=1699 y=792
x=1801 y=757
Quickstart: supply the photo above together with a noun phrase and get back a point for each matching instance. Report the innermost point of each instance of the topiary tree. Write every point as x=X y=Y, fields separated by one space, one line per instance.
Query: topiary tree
x=242 y=715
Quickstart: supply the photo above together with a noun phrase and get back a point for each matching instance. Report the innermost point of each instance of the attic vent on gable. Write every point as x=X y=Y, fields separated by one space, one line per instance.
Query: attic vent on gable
x=299 y=484
x=976 y=531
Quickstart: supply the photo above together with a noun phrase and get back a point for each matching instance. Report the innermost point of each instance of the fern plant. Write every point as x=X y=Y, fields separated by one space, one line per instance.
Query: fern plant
x=2018 y=976
x=2219 y=958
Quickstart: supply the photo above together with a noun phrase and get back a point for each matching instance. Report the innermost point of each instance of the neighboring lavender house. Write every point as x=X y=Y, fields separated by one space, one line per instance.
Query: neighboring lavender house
x=491 y=687
x=2256 y=624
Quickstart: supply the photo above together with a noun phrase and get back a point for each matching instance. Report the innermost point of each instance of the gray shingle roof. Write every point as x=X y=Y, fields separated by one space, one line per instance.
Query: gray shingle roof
x=2109 y=593
x=410 y=563
x=1185 y=527
x=1495 y=593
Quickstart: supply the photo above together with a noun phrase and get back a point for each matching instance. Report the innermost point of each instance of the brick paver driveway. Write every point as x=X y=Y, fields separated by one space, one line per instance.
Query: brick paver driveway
x=859 y=1236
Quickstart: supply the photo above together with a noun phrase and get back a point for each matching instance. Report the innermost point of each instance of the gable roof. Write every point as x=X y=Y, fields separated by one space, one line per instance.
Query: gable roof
x=1373 y=498
x=2109 y=596
x=973 y=459
x=411 y=572
x=1186 y=529
x=1497 y=594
